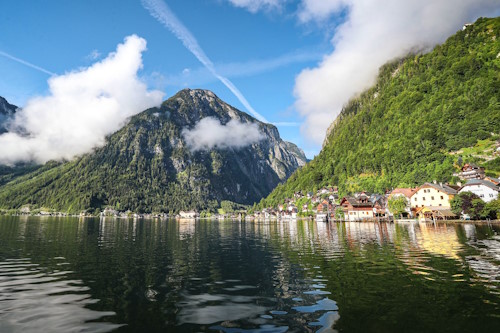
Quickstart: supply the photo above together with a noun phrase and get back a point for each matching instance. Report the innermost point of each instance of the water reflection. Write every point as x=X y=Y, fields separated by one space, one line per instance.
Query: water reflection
x=192 y=276
x=34 y=299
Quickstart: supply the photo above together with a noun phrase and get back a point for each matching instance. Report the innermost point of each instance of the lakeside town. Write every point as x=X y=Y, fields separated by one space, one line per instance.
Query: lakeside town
x=432 y=201
x=429 y=202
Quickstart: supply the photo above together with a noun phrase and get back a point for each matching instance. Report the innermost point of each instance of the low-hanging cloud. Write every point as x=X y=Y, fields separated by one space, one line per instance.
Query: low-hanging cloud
x=374 y=32
x=210 y=133
x=81 y=109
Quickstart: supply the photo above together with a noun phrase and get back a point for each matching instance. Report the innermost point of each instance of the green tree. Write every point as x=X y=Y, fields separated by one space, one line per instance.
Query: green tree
x=492 y=209
x=477 y=211
x=469 y=203
x=397 y=205
x=339 y=213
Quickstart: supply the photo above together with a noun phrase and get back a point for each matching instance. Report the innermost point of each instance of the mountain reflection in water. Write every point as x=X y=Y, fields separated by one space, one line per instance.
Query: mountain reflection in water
x=98 y=275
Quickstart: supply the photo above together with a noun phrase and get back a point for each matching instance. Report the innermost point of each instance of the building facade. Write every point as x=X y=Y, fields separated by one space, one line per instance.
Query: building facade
x=432 y=195
x=485 y=190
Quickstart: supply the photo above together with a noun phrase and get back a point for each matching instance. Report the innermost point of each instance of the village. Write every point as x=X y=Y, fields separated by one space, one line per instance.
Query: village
x=429 y=202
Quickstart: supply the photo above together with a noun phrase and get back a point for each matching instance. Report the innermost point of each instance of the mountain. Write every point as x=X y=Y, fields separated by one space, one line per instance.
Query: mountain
x=147 y=165
x=426 y=115
x=6 y=111
x=7 y=173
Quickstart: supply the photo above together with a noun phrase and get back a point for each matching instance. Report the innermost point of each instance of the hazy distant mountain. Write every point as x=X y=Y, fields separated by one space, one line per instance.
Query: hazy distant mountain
x=148 y=166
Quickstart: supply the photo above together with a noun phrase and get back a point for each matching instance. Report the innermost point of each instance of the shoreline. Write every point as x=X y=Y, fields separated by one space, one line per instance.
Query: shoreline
x=253 y=219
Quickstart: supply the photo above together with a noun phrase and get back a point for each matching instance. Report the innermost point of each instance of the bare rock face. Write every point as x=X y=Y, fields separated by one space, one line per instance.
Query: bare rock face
x=7 y=110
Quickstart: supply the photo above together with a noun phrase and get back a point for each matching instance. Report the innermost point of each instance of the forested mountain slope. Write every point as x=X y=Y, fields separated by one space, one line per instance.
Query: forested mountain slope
x=148 y=167
x=418 y=121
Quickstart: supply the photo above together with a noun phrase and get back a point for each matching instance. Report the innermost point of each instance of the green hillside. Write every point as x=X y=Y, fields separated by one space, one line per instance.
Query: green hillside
x=423 y=118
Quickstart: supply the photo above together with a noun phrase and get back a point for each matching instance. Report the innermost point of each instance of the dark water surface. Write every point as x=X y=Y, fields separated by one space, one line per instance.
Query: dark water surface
x=91 y=275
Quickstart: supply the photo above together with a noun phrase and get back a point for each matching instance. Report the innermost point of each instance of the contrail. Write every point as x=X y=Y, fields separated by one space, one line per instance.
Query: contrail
x=21 y=61
x=160 y=11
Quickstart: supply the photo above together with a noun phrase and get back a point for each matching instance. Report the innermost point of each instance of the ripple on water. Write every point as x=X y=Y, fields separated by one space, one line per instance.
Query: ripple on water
x=325 y=304
x=261 y=329
x=326 y=321
x=35 y=300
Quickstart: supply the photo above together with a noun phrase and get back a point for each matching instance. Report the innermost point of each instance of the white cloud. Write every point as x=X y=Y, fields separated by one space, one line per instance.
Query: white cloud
x=161 y=12
x=210 y=133
x=374 y=32
x=320 y=10
x=255 y=5
x=82 y=108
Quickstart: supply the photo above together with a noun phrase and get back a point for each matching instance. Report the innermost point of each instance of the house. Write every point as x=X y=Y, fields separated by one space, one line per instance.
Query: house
x=188 y=215
x=494 y=180
x=406 y=193
x=269 y=214
x=471 y=171
x=315 y=200
x=323 y=190
x=435 y=213
x=432 y=195
x=324 y=207
x=324 y=211
x=435 y=198
x=298 y=195
x=289 y=214
x=25 y=210
x=363 y=207
x=109 y=212
x=484 y=189
x=379 y=203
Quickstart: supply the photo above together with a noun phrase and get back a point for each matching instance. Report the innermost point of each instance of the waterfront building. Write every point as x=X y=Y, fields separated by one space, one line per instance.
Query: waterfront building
x=363 y=207
x=484 y=189
x=432 y=201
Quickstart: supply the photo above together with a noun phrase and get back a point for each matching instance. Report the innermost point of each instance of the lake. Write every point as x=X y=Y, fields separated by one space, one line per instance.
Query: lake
x=102 y=275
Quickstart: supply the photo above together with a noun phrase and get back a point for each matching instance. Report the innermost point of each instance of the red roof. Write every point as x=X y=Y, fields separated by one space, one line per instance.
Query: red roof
x=407 y=192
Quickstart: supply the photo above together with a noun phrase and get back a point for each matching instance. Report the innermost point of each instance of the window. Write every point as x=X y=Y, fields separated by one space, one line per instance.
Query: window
x=440 y=205
x=415 y=198
x=423 y=198
x=491 y=195
x=481 y=196
x=432 y=198
x=442 y=198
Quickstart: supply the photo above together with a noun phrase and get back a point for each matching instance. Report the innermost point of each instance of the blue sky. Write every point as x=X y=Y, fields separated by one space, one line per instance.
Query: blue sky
x=294 y=61
x=261 y=53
